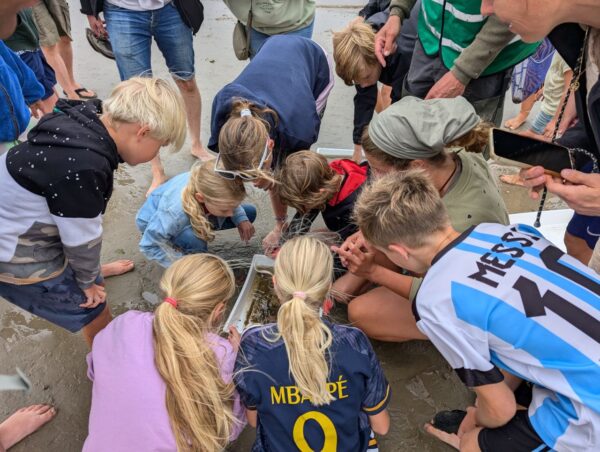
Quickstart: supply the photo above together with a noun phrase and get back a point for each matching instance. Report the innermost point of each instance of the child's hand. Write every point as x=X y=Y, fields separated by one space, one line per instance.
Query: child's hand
x=246 y=230
x=359 y=261
x=95 y=295
x=234 y=338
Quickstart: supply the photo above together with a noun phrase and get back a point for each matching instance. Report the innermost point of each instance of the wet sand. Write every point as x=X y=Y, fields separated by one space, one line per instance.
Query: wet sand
x=54 y=359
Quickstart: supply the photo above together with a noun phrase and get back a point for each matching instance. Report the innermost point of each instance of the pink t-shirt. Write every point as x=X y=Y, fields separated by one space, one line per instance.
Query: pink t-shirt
x=128 y=395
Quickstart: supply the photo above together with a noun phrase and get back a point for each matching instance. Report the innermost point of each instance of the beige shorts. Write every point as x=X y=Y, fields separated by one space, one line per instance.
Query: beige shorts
x=52 y=20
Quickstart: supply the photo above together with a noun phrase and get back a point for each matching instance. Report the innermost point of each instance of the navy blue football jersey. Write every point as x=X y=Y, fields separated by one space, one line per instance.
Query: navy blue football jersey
x=287 y=421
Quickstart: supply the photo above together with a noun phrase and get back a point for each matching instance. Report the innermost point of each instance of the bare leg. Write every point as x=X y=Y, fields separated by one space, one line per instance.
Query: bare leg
x=158 y=175
x=193 y=110
x=66 y=52
x=383 y=315
x=578 y=248
x=54 y=58
x=526 y=106
x=116 y=268
x=466 y=443
x=23 y=423
x=349 y=285
x=95 y=326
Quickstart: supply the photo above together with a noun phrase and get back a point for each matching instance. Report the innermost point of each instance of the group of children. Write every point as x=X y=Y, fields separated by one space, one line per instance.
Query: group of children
x=422 y=219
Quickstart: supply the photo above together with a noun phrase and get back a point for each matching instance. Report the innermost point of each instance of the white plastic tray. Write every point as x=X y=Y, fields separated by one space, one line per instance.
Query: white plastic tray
x=239 y=312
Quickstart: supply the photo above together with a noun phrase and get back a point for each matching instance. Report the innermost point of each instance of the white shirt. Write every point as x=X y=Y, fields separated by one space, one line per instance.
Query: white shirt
x=139 y=5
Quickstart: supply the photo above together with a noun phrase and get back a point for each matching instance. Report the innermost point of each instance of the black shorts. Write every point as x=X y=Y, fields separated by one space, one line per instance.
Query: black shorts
x=516 y=436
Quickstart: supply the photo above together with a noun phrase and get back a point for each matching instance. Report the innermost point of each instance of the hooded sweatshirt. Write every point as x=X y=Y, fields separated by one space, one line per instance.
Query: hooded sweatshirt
x=53 y=190
x=287 y=75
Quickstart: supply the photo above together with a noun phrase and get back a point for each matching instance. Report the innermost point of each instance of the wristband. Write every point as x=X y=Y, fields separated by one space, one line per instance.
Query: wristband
x=282 y=219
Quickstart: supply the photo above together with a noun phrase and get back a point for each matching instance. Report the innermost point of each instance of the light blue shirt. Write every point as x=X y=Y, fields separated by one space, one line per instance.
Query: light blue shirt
x=161 y=219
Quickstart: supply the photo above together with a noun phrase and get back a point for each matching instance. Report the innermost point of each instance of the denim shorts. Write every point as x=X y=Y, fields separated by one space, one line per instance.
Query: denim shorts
x=131 y=33
x=56 y=300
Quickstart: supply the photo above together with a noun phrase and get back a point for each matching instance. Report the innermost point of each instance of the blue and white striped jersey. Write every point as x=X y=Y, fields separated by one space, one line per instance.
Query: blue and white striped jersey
x=503 y=297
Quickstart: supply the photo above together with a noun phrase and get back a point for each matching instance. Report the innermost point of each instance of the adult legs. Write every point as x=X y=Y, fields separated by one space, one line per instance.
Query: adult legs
x=65 y=50
x=384 y=315
x=193 y=110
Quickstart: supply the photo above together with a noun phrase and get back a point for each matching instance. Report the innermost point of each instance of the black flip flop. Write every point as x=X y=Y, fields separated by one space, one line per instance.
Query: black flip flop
x=449 y=421
x=84 y=97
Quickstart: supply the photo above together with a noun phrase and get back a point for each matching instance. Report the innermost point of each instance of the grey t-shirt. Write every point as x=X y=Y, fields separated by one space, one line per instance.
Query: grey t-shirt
x=139 y=5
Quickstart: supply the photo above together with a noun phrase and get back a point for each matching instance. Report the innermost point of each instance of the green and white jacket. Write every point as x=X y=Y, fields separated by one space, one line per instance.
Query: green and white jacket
x=469 y=44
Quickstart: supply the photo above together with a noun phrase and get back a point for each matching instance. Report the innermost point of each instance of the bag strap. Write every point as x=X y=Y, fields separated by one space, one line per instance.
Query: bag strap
x=573 y=86
x=249 y=21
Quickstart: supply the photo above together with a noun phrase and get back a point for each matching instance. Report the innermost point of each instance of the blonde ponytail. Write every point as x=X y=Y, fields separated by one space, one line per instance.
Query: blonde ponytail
x=199 y=402
x=303 y=277
x=215 y=189
x=242 y=139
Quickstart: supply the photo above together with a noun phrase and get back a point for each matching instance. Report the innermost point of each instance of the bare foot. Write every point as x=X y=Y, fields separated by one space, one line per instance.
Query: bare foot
x=449 y=438
x=156 y=182
x=517 y=121
x=23 y=423
x=512 y=179
x=201 y=153
x=117 y=267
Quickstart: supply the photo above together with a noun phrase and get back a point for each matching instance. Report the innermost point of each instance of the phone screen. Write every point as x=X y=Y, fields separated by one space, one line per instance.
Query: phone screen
x=529 y=151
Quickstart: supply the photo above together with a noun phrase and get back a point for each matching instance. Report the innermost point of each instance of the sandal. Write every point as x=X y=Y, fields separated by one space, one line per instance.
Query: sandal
x=78 y=91
x=448 y=421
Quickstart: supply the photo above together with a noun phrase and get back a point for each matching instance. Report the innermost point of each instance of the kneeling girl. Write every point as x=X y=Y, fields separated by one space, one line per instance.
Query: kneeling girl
x=180 y=216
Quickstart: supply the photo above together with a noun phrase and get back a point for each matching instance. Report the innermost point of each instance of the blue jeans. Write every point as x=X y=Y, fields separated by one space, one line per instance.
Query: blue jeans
x=257 y=39
x=131 y=34
x=540 y=122
x=189 y=243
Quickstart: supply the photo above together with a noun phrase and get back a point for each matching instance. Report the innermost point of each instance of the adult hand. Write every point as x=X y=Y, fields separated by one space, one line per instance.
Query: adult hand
x=36 y=109
x=446 y=87
x=95 y=295
x=534 y=179
x=360 y=261
x=385 y=39
x=581 y=191
x=246 y=230
x=98 y=26
x=234 y=338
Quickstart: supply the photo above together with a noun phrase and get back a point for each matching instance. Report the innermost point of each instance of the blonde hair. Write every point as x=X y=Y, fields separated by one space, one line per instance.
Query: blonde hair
x=199 y=402
x=354 y=51
x=242 y=139
x=152 y=102
x=306 y=181
x=400 y=207
x=215 y=189
x=303 y=277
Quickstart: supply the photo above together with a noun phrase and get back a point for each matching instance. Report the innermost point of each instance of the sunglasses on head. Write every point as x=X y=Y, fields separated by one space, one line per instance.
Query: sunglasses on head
x=242 y=174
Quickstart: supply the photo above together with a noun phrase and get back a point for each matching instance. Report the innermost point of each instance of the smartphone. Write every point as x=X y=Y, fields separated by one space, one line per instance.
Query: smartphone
x=512 y=149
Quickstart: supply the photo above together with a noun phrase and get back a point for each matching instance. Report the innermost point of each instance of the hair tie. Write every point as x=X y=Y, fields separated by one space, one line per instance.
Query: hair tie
x=245 y=112
x=299 y=294
x=171 y=301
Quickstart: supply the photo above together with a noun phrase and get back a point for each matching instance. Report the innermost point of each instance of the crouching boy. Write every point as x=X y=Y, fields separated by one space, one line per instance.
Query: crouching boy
x=54 y=189
x=504 y=306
